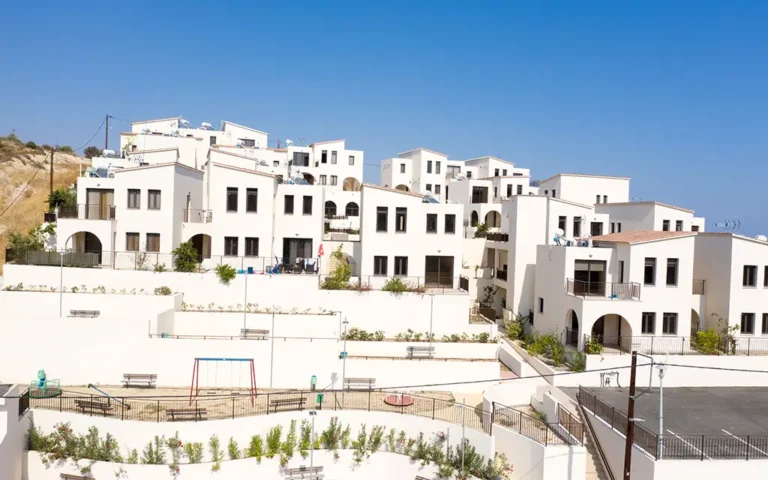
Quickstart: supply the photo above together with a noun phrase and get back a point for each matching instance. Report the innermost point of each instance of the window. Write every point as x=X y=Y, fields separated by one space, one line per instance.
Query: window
x=649 y=275
x=561 y=221
x=307 y=205
x=509 y=190
x=230 y=246
x=437 y=167
x=402 y=168
x=251 y=200
x=649 y=323
x=352 y=210
x=496 y=172
x=154 y=199
x=670 y=324
x=153 y=242
x=576 y=227
x=748 y=279
x=429 y=187
x=381 y=219
x=437 y=189
x=251 y=247
x=613 y=227
x=469 y=174
x=401 y=219
x=665 y=225
x=596 y=229
x=519 y=189
x=213 y=140
x=132 y=242
x=694 y=228
x=323 y=179
x=672 y=272
x=765 y=323
x=747 y=323
x=765 y=277
x=334 y=180
x=351 y=159
x=541 y=305
x=546 y=193
x=450 y=223
x=597 y=198
x=605 y=198
x=429 y=166
x=247 y=142
x=678 y=225
x=333 y=158
x=300 y=159
x=554 y=193
x=379 y=265
x=330 y=208
x=276 y=163
x=504 y=172
x=431 y=223
x=134 y=198
x=231 y=199
x=288 y=208
x=618 y=227
x=495 y=192
x=324 y=156
x=401 y=266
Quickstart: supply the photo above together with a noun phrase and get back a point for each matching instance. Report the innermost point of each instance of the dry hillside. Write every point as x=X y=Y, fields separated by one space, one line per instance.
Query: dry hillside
x=20 y=163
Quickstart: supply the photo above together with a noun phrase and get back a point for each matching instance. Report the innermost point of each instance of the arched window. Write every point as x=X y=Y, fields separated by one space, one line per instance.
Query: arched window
x=474 y=218
x=352 y=210
x=330 y=209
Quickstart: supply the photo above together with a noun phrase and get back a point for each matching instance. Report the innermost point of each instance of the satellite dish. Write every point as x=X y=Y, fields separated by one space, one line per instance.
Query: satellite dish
x=289 y=142
x=263 y=163
x=559 y=232
x=762 y=238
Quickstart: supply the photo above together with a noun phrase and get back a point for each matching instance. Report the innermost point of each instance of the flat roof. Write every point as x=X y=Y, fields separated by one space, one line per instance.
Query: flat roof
x=227 y=122
x=695 y=411
x=393 y=190
x=327 y=141
x=488 y=157
x=649 y=202
x=422 y=148
x=155 y=120
x=584 y=175
x=640 y=236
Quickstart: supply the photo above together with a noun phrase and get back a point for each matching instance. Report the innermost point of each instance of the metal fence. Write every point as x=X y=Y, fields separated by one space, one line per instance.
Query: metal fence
x=677 y=446
x=614 y=291
x=161 y=409
x=464 y=283
x=87 y=212
x=428 y=284
x=672 y=345
x=71 y=259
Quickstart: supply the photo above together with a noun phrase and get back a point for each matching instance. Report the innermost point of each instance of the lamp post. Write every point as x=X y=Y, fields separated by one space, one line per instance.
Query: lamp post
x=344 y=361
x=245 y=302
x=463 y=432
x=662 y=370
x=431 y=309
x=272 y=349
x=313 y=414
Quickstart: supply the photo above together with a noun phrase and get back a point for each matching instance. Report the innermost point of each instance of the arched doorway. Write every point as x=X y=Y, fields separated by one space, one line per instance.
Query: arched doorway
x=613 y=332
x=352 y=210
x=202 y=244
x=571 y=328
x=695 y=322
x=493 y=219
x=402 y=188
x=351 y=184
x=85 y=242
x=330 y=209
x=474 y=218
x=309 y=178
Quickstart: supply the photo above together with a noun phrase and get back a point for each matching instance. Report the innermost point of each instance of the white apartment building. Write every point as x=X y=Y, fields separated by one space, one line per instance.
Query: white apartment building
x=650 y=216
x=586 y=189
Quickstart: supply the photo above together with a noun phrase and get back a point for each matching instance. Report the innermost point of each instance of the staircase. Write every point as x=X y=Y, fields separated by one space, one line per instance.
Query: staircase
x=595 y=469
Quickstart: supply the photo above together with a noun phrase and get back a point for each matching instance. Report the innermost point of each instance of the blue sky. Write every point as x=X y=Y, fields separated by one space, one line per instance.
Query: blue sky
x=673 y=94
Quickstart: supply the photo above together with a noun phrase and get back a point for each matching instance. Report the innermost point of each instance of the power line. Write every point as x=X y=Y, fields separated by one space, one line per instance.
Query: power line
x=22 y=191
x=92 y=136
x=118 y=118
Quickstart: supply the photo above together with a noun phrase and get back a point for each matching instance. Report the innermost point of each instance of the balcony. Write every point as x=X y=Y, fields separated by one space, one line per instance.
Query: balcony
x=87 y=212
x=498 y=237
x=197 y=216
x=604 y=290
x=501 y=274
x=698 y=287
x=335 y=217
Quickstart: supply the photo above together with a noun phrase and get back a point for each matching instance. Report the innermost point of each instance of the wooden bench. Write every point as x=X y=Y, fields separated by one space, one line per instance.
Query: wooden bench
x=421 y=352
x=69 y=476
x=139 y=380
x=359 y=383
x=194 y=413
x=253 y=334
x=84 y=313
x=92 y=405
x=287 y=402
x=308 y=473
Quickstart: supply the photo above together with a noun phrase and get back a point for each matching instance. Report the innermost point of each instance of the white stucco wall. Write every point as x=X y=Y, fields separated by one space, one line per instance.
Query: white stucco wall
x=13 y=430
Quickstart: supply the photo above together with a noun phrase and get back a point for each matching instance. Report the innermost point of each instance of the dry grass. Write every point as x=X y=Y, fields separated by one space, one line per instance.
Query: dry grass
x=17 y=166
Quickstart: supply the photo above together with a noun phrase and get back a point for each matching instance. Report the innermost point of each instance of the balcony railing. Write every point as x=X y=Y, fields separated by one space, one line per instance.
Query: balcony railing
x=88 y=212
x=197 y=216
x=498 y=237
x=501 y=274
x=335 y=217
x=613 y=291
x=534 y=183
x=698 y=287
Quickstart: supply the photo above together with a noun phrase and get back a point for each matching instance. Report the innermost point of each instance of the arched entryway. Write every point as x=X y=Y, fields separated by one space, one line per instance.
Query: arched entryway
x=493 y=219
x=85 y=242
x=695 y=322
x=351 y=184
x=309 y=178
x=613 y=332
x=571 y=328
x=474 y=218
x=403 y=188
x=330 y=209
x=202 y=244
x=352 y=210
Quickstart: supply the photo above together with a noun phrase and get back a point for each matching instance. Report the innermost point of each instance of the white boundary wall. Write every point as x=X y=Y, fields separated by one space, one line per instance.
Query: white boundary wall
x=13 y=431
x=535 y=461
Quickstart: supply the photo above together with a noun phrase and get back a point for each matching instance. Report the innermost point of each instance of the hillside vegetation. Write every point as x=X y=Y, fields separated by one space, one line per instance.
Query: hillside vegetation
x=21 y=162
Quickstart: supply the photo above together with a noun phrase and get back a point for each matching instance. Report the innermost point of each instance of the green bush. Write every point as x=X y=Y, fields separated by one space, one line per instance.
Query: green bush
x=19 y=244
x=273 y=441
x=593 y=348
x=514 y=329
x=339 y=277
x=708 y=341
x=65 y=149
x=233 y=449
x=395 y=285
x=91 y=152
x=61 y=197
x=226 y=273
x=194 y=452
x=579 y=362
x=255 y=448
x=482 y=230
x=185 y=257
x=163 y=291
x=547 y=345
x=30 y=144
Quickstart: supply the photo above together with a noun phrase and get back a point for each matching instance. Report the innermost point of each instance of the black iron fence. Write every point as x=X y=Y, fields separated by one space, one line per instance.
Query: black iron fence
x=70 y=259
x=464 y=283
x=497 y=237
x=501 y=274
x=672 y=345
x=23 y=403
x=87 y=212
x=161 y=409
x=677 y=446
x=614 y=291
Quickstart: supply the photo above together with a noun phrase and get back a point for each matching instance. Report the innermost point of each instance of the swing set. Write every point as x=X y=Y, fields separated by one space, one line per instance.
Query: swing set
x=194 y=390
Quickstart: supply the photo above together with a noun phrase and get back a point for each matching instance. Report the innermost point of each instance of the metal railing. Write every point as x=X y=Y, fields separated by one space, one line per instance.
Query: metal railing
x=572 y=425
x=336 y=217
x=155 y=409
x=71 y=259
x=674 y=345
x=534 y=183
x=428 y=284
x=678 y=446
x=614 y=291
x=497 y=237
x=698 y=287
x=197 y=216
x=87 y=212
x=464 y=283
x=501 y=274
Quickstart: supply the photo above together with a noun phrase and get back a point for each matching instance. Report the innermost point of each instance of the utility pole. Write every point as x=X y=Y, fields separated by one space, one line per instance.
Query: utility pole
x=51 y=179
x=106 y=134
x=630 y=419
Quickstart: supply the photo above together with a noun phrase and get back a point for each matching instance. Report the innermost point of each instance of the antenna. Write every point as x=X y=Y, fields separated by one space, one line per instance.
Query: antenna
x=729 y=225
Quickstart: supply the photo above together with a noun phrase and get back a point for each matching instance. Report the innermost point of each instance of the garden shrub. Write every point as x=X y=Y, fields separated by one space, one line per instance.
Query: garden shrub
x=185 y=257
x=163 y=291
x=226 y=273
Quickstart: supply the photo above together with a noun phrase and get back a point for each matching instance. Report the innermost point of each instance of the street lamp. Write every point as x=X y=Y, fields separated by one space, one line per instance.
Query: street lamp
x=313 y=414
x=662 y=370
x=344 y=360
x=431 y=309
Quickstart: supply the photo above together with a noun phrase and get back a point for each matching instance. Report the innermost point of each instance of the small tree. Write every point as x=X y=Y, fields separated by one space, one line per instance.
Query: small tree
x=19 y=244
x=482 y=230
x=226 y=273
x=339 y=277
x=185 y=257
x=61 y=197
x=92 y=151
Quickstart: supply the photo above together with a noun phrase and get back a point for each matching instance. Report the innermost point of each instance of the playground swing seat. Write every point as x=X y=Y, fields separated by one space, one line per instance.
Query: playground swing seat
x=44 y=387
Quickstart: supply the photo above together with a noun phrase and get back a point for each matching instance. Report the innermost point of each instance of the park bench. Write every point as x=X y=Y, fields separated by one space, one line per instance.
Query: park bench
x=92 y=405
x=139 y=380
x=182 y=413
x=298 y=402
x=359 y=383
x=304 y=473
x=84 y=313
x=253 y=334
x=420 y=478
x=421 y=352
x=69 y=476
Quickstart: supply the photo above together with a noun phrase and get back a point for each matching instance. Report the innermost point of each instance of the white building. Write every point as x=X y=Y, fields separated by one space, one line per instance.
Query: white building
x=586 y=189
x=650 y=216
